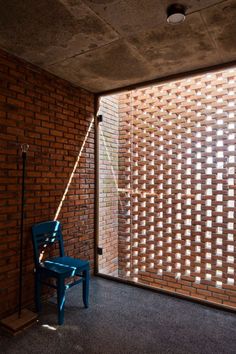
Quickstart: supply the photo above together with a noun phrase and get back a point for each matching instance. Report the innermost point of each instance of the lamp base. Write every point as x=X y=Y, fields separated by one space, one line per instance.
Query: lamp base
x=14 y=324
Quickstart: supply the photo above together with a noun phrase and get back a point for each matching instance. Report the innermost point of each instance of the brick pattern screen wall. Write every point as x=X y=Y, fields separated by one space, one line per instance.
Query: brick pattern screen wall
x=55 y=119
x=177 y=161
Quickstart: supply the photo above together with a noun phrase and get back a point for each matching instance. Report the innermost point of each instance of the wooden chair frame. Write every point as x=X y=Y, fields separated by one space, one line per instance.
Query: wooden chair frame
x=60 y=268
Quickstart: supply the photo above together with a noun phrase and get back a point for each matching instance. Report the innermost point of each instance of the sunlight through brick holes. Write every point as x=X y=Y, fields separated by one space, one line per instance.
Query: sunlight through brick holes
x=173 y=169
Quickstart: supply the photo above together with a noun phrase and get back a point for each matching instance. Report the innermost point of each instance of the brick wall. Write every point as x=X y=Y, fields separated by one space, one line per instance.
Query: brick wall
x=108 y=185
x=55 y=119
x=177 y=161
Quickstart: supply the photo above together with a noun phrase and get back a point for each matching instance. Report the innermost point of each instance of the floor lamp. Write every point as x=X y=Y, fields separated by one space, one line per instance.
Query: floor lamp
x=22 y=318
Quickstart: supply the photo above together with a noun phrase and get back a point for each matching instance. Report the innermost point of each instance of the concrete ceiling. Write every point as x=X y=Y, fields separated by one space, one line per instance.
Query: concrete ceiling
x=107 y=44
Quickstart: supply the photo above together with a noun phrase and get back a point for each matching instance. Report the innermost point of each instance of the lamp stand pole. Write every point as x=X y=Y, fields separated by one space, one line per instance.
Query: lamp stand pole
x=24 y=149
x=23 y=318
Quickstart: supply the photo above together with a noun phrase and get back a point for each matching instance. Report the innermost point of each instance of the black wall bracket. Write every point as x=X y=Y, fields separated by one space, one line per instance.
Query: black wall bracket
x=100 y=118
x=100 y=251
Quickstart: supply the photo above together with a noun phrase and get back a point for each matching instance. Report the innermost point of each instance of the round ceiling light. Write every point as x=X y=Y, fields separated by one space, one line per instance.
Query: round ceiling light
x=175 y=14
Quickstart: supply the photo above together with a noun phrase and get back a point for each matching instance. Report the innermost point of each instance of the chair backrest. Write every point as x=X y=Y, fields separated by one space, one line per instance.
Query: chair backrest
x=46 y=234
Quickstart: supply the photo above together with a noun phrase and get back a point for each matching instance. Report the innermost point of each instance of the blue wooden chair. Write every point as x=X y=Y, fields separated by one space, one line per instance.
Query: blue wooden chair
x=60 y=268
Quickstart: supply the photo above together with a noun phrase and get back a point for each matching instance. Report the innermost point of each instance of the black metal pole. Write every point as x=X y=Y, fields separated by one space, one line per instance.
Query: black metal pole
x=24 y=151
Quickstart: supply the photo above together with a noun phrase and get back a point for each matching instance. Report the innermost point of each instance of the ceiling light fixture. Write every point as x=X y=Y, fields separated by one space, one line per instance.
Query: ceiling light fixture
x=175 y=14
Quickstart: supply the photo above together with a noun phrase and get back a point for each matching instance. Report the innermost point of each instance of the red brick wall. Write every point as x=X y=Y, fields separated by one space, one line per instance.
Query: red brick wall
x=53 y=117
x=108 y=185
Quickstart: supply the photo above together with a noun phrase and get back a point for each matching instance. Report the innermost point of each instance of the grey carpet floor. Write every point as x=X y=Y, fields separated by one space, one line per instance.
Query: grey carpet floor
x=123 y=319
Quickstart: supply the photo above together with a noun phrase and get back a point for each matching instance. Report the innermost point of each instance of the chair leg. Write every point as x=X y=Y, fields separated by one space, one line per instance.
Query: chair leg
x=37 y=292
x=86 y=287
x=60 y=300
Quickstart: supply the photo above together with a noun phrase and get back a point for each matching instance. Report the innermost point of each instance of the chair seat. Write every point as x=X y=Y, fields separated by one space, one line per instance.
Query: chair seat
x=64 y=266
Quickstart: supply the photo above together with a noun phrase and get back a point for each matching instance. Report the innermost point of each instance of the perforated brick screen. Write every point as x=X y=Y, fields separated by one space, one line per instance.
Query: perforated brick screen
x=177 y=160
